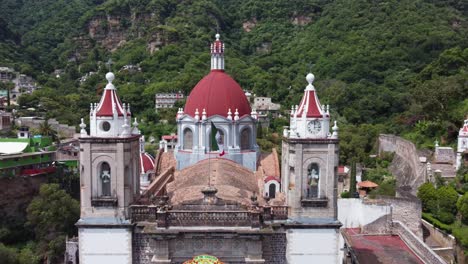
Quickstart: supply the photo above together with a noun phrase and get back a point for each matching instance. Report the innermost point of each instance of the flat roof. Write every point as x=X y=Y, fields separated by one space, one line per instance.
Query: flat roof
x=8 y=148
x=376 y=249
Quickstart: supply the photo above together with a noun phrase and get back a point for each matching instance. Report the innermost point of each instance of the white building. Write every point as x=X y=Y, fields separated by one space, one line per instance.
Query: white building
x=462 y=147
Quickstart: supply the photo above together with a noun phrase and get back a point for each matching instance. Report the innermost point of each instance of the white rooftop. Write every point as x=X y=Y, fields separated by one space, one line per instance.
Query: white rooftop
x=8 y=148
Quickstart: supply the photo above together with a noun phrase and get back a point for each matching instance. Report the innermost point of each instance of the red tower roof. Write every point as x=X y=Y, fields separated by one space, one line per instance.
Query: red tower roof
x=109 y=99
x=146 y=162
x=217 y=92
x=310 y=102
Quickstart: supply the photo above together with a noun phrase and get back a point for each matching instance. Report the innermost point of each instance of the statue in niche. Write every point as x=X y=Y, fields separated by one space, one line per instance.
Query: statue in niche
x=105 y=182
x=312 y=182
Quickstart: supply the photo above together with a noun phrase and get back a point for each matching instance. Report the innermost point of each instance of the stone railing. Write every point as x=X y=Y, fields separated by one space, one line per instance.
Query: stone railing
x=279 y=212
x=166 y=218
x=218 y=218
x=423 y=251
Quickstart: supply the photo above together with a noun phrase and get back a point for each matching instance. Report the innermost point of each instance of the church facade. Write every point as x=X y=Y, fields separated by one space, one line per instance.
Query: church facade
x=223 y=201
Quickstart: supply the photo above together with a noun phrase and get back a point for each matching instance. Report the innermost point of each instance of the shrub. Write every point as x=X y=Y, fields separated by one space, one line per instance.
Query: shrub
x=446 y=217
x=8 y=255
x=462 y=206
x=345 y=194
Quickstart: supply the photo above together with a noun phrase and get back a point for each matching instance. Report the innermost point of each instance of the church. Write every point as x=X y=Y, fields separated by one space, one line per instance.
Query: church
x=216 y=198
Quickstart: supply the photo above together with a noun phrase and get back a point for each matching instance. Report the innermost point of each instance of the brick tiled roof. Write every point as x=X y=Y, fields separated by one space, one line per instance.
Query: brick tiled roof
x=233 y=182
x=270 y=164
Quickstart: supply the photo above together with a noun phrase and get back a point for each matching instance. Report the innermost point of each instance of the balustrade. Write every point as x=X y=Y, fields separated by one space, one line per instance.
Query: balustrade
x=163 y=218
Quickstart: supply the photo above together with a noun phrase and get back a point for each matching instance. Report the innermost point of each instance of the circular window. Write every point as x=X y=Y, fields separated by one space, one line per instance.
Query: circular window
x=105 y=126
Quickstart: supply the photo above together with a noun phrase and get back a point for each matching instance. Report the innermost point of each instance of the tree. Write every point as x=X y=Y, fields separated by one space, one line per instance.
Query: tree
x=352 y=185
x=7 y=86
x=8 y=255
x=52 y=214
x=446 y=205
x=462 y=206
x=427 y=194
x=46 y=129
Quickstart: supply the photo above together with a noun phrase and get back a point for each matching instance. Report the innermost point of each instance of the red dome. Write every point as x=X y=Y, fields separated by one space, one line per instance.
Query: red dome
x=217 y=92
x=146 y=162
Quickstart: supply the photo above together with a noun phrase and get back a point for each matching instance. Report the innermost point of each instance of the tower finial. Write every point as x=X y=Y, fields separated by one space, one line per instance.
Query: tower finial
x=110 y=77
x=217 y=54
x=310 y=78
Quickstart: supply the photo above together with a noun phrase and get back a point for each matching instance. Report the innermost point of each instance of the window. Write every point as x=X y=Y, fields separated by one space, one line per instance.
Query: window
x=245 y=139
x=105 y=126
x=313 y=179
x=105 y=175
x=188 y=138
x=272 y=190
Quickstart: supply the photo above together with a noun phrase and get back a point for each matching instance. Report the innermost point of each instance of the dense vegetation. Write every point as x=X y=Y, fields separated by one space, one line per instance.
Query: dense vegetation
x=384 y=66
x=388 y=66
x=51 y=215
x=445 y=204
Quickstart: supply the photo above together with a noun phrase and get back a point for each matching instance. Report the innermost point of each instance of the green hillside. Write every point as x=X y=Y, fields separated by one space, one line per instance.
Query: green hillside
x=383 y=66
x=392 y=66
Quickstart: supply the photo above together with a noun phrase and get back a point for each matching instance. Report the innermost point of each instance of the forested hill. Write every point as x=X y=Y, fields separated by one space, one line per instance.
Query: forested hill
x=383 y=66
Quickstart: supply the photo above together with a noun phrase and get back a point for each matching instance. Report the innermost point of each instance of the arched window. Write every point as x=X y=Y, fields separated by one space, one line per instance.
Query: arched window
x=105 y=174
x=188 y=138
x=313 y=179
x=272 y=190
x=245 y=139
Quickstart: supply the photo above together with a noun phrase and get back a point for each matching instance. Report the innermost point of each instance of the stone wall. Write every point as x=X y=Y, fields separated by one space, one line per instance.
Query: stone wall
x=410 y=173
x=446 y=244
x=423 y=251
x=354 y=213
x=274 y=248
x=231 y=247
x=142 y=251
x=65 y=131
x=383 y=225
x=407 y=211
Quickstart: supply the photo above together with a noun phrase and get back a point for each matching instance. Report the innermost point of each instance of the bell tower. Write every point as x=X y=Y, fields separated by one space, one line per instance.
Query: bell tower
x=109 y=180
x=309 y=180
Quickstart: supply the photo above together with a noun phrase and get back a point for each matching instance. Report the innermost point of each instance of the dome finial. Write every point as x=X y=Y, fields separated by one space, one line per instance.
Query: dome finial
x=310 y=78
x=110 y=77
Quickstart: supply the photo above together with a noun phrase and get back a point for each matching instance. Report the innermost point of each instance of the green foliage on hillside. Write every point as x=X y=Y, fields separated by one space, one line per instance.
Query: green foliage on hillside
x=389 y=66
x=52 y=215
